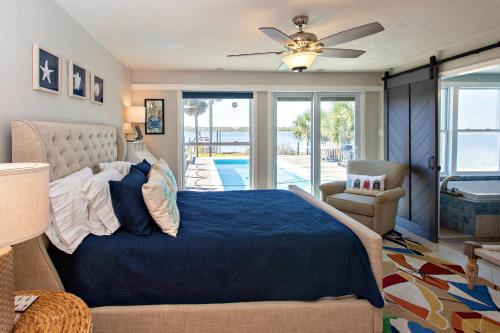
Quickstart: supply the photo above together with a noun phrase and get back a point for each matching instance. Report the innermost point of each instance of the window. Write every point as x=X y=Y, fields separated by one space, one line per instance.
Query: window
x=478 y=130
x=470 y=130
x=314 y=138
x=217 y=140
x=443 y=131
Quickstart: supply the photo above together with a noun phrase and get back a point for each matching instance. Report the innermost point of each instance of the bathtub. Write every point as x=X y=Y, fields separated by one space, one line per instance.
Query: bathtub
x=478 y=190
x=477 y=212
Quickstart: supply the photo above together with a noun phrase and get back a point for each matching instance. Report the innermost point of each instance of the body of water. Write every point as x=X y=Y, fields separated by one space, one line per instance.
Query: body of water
x=286 y=138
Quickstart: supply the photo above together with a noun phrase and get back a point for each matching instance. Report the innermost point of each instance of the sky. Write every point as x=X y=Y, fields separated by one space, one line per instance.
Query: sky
x=225 y=115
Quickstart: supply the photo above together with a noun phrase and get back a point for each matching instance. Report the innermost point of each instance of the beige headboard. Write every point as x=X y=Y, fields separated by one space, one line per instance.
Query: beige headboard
x=67 y=147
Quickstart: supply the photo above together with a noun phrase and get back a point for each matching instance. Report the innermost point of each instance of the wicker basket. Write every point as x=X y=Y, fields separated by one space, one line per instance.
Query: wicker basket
x=54 y=311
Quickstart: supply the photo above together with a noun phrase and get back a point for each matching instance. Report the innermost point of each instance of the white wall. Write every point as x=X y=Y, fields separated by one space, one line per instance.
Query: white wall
x=24 y=22
x=169 y=84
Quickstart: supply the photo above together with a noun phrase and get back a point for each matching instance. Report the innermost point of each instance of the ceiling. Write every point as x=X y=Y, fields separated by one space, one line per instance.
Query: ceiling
x=198 y=34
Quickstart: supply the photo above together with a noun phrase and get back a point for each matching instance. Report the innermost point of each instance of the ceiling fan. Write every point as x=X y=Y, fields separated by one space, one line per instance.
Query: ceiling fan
x=302 y=47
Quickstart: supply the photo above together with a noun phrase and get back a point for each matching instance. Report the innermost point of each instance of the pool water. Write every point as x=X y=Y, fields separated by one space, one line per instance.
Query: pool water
x=235 y=175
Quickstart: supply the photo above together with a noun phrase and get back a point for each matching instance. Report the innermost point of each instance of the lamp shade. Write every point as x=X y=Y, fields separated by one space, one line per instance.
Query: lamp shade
x=299 y=61
x=24 y=201
x=136 y=114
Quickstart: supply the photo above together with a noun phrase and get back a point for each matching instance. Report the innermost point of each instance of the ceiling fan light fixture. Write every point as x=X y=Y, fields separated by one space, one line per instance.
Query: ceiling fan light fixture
x=299 y=61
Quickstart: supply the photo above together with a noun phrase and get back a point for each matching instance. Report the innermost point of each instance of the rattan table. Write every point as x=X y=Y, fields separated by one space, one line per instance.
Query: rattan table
x=54 y=311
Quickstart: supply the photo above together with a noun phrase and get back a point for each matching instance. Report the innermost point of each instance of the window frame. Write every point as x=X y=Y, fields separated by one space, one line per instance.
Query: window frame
x=315 y=98
x=250 y=143
x=452 y=94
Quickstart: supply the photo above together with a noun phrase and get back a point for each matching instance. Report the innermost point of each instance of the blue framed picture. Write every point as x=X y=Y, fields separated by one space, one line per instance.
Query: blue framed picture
x=96 y=89
x=155 y=116
x=47 y=67
x=77 y=81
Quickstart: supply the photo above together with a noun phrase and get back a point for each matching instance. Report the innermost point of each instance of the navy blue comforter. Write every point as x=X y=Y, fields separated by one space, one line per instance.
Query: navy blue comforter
x=234 y=246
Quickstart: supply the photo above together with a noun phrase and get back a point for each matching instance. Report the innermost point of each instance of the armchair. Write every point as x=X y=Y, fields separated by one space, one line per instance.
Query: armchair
x=376 y=212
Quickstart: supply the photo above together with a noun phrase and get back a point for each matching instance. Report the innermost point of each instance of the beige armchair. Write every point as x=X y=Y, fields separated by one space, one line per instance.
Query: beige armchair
x=376 y=212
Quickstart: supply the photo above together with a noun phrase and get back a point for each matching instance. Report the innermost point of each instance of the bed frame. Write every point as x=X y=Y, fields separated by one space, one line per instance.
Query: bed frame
x=70 y=147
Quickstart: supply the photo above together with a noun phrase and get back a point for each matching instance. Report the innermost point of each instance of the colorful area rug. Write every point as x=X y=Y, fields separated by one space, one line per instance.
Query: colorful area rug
x=425 y=293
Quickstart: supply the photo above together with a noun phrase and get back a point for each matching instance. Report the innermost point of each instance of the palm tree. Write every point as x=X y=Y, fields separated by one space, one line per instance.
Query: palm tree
x=195 y=107
x=302 y=127
x=337 y=125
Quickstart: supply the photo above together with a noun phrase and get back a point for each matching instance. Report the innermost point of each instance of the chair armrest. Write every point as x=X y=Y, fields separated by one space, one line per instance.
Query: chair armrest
x=327 y=189
x=390 y=195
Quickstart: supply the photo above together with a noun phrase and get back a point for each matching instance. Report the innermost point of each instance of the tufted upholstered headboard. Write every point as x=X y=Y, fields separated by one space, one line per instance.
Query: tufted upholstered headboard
x=67 y=147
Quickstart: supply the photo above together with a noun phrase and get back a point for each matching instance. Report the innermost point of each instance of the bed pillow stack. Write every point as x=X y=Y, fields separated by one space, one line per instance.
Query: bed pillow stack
x=122 y=166
x=80 y=204
x=102 y=219
x=128 y=202
x=68 y=211
x=164 y=169
x=161 y=200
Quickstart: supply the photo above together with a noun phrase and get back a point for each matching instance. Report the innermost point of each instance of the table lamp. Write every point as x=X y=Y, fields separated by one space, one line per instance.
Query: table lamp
x=24 y=214
x=136 y=115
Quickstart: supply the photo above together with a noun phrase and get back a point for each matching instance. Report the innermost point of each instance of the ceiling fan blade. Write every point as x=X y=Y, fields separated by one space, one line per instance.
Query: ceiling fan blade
x=278 y=36
x=340 y=53
x=351 y=34
x=251 y=54
x=283 y=67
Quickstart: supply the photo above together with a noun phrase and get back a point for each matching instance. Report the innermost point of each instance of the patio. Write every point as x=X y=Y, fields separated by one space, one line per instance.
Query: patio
x=202 y=174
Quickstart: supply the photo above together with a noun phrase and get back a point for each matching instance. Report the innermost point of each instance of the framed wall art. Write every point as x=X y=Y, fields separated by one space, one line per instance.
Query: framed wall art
x=155 y=116
x=77 y=81
x=47 y=67
x=96 y=89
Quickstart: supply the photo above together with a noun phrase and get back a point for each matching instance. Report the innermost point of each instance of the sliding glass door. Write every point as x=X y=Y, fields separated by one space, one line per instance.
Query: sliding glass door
x=315 y=136
x=337 y=142
x=217 y=141
x=293 y=141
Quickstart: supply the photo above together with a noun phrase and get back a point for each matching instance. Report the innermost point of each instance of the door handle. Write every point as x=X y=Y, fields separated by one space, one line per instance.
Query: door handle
x=430 y=162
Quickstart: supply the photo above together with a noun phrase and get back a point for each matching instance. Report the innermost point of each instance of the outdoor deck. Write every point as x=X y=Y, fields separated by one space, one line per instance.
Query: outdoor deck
x=202 y=175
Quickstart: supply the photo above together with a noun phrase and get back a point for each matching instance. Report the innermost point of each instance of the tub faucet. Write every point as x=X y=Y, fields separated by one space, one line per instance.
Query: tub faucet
x=444 y=183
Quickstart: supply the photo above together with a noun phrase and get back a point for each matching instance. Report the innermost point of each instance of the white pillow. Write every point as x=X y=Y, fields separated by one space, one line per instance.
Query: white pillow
x=68 y=211
x=366 y=185
x=161 y=203
x=122 y=166
x=102 y=218
x=169 y=174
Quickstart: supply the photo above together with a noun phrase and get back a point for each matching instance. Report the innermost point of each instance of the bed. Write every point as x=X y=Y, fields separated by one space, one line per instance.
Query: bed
x=70 y=147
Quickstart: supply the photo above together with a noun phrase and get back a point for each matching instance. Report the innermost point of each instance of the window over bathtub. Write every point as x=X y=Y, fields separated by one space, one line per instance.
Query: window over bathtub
x=470 y=130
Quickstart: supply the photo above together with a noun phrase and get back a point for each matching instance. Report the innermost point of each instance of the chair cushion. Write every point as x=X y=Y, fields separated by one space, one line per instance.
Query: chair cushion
x=395 y=173
x=354 y=203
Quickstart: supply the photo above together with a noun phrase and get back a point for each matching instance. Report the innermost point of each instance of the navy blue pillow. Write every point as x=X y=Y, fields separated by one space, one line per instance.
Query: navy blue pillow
x=143 y=167
x=128 y=203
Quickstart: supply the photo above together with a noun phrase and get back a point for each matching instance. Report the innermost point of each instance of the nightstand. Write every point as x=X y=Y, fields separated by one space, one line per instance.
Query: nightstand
x=138 y=151
x=54 y=311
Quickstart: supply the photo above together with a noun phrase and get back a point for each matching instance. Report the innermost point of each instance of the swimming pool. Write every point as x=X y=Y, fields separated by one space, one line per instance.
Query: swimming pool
x=235 y=175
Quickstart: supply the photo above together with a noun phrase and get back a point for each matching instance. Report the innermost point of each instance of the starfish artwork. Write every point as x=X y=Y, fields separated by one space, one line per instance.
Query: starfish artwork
x=46 y=71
